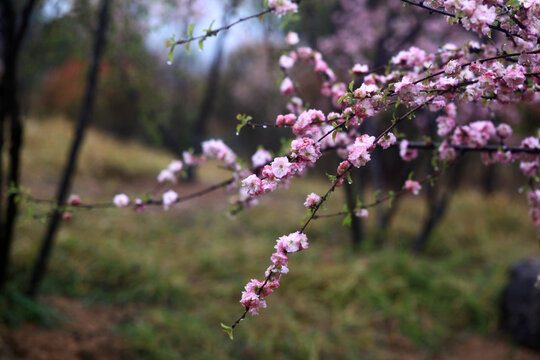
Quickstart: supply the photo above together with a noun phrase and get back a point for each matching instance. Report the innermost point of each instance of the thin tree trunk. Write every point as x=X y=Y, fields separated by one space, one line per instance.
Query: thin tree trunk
x=437 y=208
x=13 y=30
x=85 y=116
x=212 y=84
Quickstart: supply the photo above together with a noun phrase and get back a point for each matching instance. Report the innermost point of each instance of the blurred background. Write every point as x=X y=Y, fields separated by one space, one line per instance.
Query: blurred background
x=419 y=280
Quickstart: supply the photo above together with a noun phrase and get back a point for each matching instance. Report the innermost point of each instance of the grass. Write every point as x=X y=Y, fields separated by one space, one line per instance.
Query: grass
x=184 y=269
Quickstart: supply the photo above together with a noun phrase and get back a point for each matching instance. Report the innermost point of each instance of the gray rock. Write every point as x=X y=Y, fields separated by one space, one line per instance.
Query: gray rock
x=520 y=304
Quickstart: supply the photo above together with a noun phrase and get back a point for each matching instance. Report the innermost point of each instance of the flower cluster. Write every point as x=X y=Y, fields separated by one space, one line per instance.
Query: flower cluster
x=255 y=290
x=282 y=7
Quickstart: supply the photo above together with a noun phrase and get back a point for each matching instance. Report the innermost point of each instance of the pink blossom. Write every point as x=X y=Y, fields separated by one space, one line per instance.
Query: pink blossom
x=530 y=143
x=529 y=168
x=514 y=76
x=217 y=149
x=359 y=152
x=287 y=86
x=343 y=167
x=281 y=167
x=405 y=153
x=533 y=197
x=166 y=175
x=362 y=213
x=253 y=185
x=292 y=243
x=121 y=200
x=387 y=140
x=268 y=185
x=360 y=69
x=452 y=67
x=282 y=7
x=504 y=131
x=169 y=198
x=292 y=38
x=175 y=166
x=413 y=187
x=534 y=213
x=67 y=215
x=445 y=125
x=190 y=159
x=74 y=200
x=288 y=119
x=407 y=91
x=279 y=259
x=446 y=152
x=286 y=62
x=251 y=301
x=267 y=172
x=312 y=200
x=260 y=158
x=306 y=149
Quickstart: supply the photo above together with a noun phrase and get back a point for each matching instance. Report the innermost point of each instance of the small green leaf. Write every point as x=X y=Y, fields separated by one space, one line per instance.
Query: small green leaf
x=261 y=17
x=512 y=3
x=351 y=85
x=171 y=54
x=188 y=47
x=228 y=330
x=190 y=30
x=342 y=98
x=201 y=44
x=348 y=220
x=392 y=197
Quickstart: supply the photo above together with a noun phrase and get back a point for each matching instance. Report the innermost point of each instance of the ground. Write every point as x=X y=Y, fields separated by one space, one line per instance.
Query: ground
x=157 y=285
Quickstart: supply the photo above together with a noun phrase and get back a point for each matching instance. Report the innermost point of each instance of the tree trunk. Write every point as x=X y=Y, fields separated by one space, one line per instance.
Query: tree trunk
x=212 y=84
x=85 y=116
x=13 y=30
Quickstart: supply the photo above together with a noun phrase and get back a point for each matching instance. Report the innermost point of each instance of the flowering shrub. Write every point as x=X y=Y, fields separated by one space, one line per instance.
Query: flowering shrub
x=494 y=74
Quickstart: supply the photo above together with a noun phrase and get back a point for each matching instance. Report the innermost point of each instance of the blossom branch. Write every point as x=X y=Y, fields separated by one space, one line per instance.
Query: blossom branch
x=446 y=13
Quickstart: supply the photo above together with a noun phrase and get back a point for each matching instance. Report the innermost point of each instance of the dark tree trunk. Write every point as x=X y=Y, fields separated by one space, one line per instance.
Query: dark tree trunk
x=85 y=116
x=212 y=84
x=437 y=207
x=13 y=29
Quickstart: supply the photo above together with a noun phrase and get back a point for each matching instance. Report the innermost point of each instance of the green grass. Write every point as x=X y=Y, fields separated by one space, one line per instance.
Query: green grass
x=185 y=269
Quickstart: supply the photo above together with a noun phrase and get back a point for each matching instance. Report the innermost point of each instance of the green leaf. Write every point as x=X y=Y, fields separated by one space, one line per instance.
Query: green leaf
x=410 y=175
x=512 y=3
x=348 y=220
x=331 y=177
x=334 y=134
x=228 y=330
x=201 y=44
x=341 y=98
x=392 y=197
x=190 y=30
x=188 y=47
x=239 y=127
x=351 y=85
x=261 y=17
x=171 y=54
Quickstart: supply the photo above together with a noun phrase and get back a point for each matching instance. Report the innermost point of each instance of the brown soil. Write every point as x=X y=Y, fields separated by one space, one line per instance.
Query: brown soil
x=86 y=334
x=477 y=347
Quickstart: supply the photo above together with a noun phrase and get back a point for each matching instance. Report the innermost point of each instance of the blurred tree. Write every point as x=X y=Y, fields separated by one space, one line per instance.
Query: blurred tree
x=14 y=21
